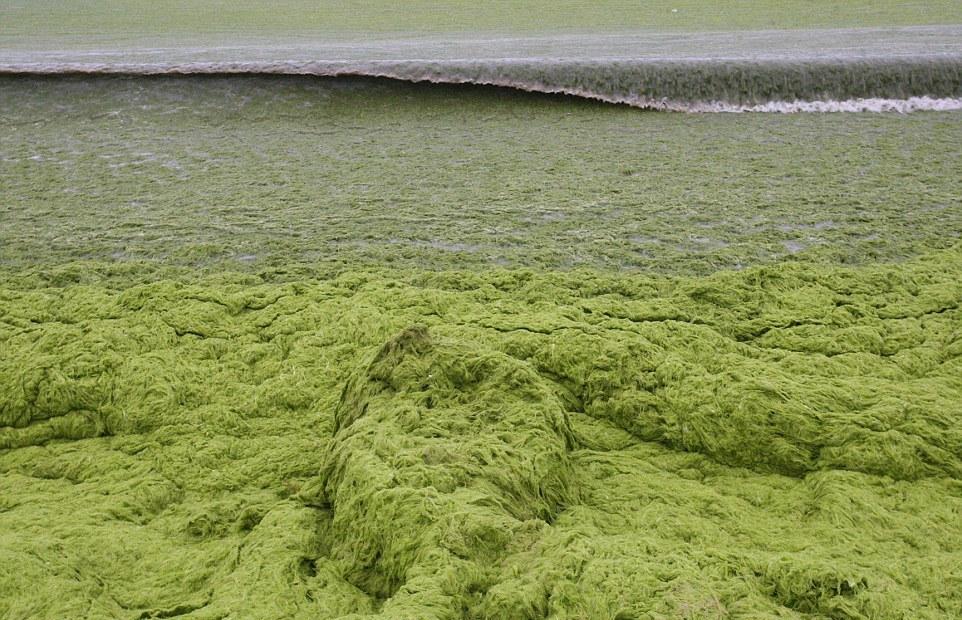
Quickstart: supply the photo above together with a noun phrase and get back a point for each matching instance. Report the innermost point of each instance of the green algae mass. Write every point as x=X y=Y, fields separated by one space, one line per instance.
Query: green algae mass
x=779 y=442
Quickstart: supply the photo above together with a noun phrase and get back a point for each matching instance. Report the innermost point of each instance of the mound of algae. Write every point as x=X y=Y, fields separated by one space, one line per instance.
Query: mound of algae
x=780 y=442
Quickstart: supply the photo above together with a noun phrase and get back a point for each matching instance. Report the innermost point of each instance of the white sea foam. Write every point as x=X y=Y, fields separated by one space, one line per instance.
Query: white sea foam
x=904 y=106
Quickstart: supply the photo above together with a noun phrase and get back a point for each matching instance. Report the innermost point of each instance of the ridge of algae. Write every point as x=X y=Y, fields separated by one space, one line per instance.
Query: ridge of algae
x=783 y=441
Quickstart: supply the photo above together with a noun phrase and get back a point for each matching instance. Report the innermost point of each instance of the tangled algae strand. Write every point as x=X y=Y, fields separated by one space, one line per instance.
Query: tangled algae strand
x=466 y=450
x=782 y=441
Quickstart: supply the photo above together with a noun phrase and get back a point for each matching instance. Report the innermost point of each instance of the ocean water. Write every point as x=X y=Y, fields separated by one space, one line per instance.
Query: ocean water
x=829 y=70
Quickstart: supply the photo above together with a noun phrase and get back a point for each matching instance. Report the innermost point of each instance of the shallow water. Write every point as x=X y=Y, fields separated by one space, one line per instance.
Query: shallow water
x=336 y=172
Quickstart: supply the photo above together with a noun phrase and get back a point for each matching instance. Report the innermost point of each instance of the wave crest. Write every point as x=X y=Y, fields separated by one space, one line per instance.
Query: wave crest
x=688 y=85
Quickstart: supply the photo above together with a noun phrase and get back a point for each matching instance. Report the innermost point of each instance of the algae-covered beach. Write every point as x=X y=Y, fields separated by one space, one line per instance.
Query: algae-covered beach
x=282 y=344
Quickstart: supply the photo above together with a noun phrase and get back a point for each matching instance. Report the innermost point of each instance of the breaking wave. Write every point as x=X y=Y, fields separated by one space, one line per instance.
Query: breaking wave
x=896 y=84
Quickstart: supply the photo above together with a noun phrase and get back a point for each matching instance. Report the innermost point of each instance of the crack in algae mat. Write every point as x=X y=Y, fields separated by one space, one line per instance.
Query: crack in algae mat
x=295 y=348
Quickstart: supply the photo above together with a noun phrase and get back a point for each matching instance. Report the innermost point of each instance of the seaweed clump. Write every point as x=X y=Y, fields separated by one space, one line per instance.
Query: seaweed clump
x=463 y=450
x=777 y=442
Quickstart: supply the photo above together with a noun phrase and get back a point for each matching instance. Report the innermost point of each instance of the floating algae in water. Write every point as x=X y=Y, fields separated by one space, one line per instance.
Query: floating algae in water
x=779 y=442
